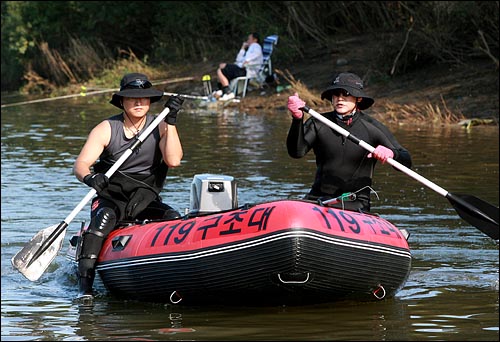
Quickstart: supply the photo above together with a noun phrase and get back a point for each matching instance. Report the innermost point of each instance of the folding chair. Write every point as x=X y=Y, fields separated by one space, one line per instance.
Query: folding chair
x=239 y=85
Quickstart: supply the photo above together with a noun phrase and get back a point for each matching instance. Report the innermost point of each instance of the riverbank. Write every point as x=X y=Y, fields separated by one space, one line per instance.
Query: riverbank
x=434 y=93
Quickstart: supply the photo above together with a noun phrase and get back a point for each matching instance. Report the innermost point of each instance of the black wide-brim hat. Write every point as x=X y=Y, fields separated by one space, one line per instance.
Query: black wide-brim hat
x=137 y=86
x=353 y=84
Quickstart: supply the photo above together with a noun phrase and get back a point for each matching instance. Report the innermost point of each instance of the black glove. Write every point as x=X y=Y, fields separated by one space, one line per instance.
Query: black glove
x=174 y=103
x=98 y=181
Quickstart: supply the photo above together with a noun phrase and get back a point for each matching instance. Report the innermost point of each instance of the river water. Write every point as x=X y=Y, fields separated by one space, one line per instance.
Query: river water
x=451 y=293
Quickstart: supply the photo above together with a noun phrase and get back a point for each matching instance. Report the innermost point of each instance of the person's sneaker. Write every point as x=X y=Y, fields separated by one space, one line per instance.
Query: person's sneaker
x=227 y=97
x=217 y=94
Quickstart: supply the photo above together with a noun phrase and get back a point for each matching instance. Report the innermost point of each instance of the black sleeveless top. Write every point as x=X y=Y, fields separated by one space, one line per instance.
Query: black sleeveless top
x=141 y=178
x=144 y=159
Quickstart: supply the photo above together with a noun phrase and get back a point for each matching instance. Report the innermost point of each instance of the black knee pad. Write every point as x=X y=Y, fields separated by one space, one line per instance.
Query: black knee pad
x=102 y=223
x=100 y=226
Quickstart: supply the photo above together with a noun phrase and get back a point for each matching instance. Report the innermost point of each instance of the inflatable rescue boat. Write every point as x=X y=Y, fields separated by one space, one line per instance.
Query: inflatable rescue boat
x=277 y=252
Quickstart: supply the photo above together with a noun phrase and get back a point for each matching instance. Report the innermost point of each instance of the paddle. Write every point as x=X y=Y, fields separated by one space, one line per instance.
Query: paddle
x=41 y=250
x=477 y=212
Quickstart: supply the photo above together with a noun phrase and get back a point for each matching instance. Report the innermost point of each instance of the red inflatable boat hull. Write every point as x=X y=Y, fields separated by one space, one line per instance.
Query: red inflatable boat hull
x=279 y=252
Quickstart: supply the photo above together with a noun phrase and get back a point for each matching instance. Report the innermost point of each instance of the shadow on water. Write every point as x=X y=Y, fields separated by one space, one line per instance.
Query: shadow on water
x=451 y=293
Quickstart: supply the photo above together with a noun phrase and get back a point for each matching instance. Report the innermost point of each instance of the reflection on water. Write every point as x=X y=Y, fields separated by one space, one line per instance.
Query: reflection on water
x=451 y=293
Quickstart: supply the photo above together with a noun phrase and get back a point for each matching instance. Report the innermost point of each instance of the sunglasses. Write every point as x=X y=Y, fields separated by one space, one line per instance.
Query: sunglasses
x=339 y=92
x=137 y=84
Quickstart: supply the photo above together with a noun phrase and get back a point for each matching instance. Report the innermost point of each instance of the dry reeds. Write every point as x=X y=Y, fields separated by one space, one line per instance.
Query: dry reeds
x=417 y=113
x=128 y=62
x=84 y=59
x=300 y=88
x=55 y=65
x=35 y=83
x=82 y=65
x=389 y=112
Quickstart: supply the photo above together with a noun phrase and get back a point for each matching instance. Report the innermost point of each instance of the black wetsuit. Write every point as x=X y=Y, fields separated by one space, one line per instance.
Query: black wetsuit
x=342 y=166
x=132 y=193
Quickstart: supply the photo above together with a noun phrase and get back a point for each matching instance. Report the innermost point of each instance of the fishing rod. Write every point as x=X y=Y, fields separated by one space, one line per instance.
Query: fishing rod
x=83 y=93
x=194 y=97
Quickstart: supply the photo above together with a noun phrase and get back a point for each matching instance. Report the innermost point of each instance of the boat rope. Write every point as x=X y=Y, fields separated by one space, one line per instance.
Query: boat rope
x=172 y=296
x=377 y=290
x=293 y=281
x=348 y=196
x=371 y=191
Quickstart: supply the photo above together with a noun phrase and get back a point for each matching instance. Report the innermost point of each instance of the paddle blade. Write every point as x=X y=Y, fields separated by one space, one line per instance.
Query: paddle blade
x=477 y=212
x=33 y=269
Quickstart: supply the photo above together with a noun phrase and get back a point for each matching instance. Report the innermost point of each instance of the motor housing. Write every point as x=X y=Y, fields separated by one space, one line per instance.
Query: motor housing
x=212 y=193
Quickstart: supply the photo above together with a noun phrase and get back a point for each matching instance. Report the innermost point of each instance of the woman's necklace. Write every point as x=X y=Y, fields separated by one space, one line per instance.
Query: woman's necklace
x=137 y=129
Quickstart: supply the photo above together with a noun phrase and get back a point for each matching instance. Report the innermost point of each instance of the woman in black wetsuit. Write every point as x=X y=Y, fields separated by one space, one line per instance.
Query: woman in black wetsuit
x=343 y=166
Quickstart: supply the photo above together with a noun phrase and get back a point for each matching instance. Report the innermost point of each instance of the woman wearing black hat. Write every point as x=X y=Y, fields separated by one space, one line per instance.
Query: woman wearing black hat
x=133 y=191
x=343 y=167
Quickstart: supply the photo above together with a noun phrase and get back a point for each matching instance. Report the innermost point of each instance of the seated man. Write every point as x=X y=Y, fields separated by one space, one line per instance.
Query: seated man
x=248 y=62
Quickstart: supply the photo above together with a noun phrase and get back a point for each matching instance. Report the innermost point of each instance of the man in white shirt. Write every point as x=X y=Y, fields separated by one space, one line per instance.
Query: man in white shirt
x=248 y=62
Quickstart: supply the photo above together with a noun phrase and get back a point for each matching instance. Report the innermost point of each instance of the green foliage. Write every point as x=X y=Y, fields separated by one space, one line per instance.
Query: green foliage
x=84 y=38
x=14 y=44
x=444 y=32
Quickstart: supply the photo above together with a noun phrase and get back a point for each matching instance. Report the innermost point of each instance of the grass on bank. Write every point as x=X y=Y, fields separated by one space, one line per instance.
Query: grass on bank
x=390 y=112
x=107 y=78
x=110 y=76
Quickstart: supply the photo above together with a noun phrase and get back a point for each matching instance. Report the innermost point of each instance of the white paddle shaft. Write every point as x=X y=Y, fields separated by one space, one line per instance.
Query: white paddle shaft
x=119 y=163
x=370 y=149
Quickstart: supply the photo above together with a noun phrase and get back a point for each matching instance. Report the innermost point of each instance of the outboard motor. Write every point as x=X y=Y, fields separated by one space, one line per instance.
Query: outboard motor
x=212 y=193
